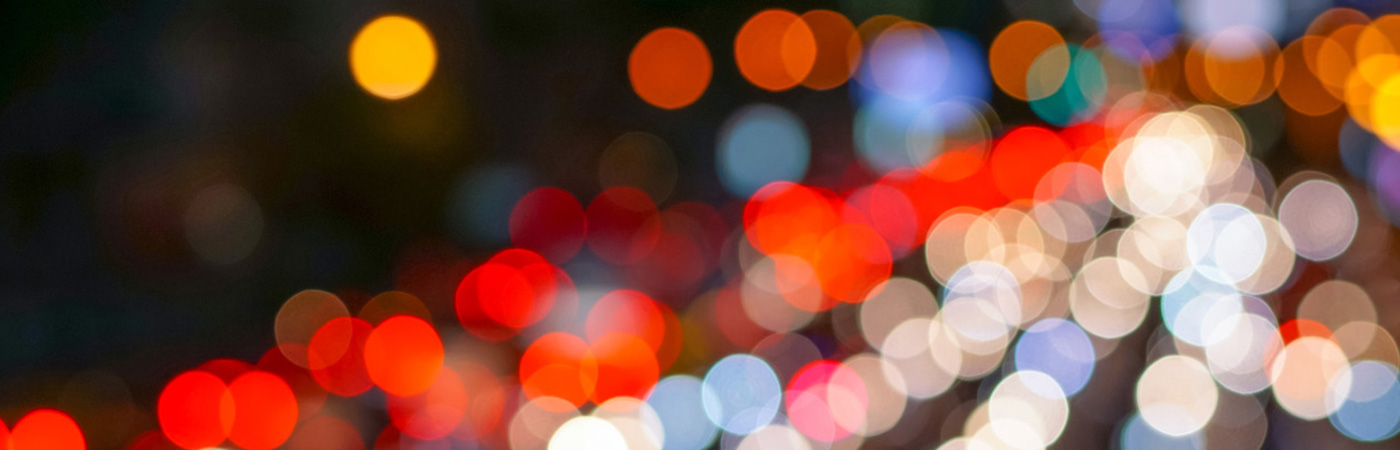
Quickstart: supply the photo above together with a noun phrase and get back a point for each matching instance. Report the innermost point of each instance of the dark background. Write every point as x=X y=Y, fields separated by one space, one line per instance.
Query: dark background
x=116 y=113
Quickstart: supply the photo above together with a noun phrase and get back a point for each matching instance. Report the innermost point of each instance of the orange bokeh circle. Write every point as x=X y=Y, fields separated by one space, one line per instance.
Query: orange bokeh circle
x=775 y=49
x=669 y=68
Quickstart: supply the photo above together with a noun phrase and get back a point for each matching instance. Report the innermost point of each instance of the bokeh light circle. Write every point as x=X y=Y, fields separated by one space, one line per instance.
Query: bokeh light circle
x=549 y=221
x=587 y=433
x=1058 y=348
x=669 y=68
x=741 y=394
x=265 y=411
x=1226 y=243
x=301 y=317
x=1028 y=410
x=775 y=49
x=677 y=400
x=1176 y=395
x=393 y=57
x=1310 y=376
x=838 y=49
x=403 y=355
x=826 y=401
x=191 y=410
x=45 y=429
x=761 y=144
x=1014 y=50
x=1320 y=217
x=1370 y=411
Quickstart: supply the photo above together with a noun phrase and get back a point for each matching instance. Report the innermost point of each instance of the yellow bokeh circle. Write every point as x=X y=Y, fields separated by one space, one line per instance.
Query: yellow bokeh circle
x=1385 y=111
x=393 y=57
